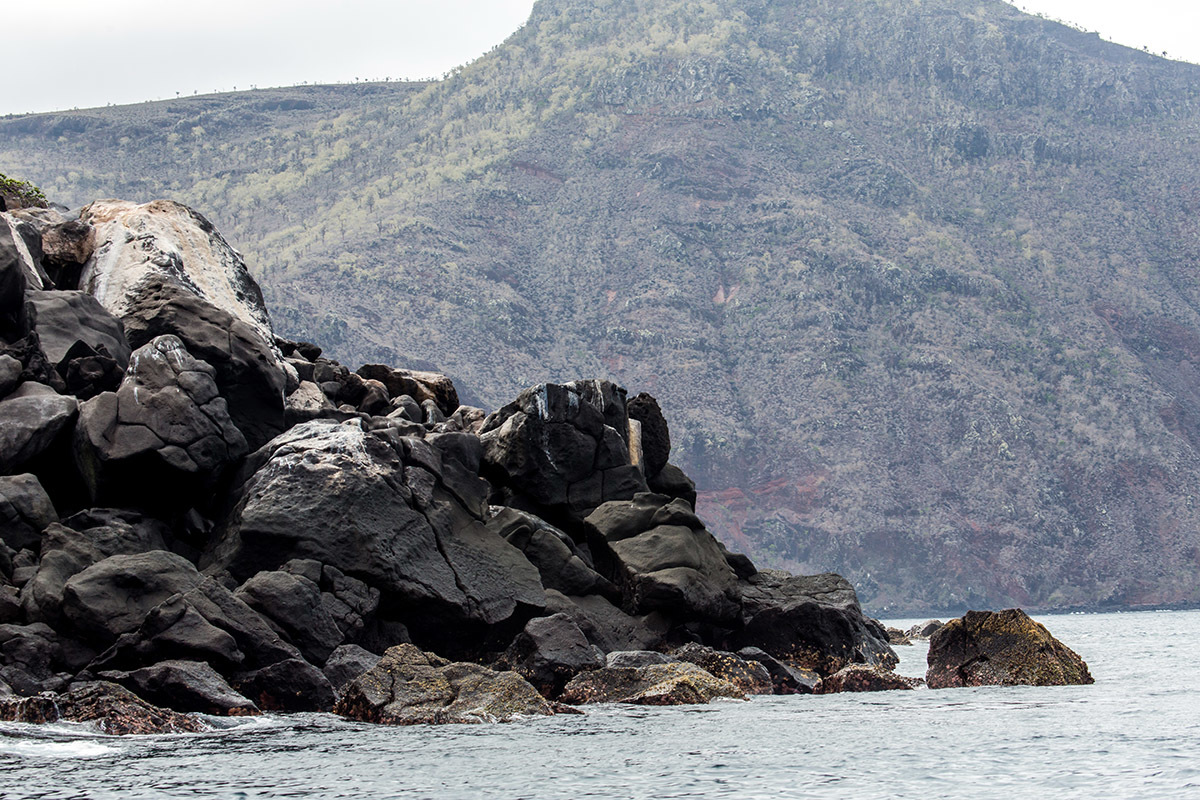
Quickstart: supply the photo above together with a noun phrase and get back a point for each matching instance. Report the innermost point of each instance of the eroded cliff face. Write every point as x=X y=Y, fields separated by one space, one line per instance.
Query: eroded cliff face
x=912 y=282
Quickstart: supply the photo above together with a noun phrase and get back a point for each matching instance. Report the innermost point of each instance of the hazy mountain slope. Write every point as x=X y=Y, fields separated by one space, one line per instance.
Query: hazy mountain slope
x=914 y=282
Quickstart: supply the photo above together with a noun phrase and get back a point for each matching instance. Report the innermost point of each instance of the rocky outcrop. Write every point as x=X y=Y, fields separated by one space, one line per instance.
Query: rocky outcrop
x=165 y=434
x=549 y=652
x=676 y=683
x=224 y=521
x=1002 y=648
x=863 y=678
x=185 y=686
x=402 y=525
x=409 y=687
x=924 y=630
x=563 y=447
x=110 y=708
x=247 y=370
x=34 y=417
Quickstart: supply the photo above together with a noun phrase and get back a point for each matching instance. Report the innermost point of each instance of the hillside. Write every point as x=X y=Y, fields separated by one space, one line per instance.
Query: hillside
x=913 y=282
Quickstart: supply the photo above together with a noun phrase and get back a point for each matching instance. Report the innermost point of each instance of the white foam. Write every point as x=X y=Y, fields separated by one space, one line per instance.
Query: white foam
x=31 y=748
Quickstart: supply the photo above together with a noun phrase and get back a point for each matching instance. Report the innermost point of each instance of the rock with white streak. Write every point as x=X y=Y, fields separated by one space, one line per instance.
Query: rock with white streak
x=134 y=242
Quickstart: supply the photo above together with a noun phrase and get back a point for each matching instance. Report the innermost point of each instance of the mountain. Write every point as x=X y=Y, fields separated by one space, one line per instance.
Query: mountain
x=914 y=282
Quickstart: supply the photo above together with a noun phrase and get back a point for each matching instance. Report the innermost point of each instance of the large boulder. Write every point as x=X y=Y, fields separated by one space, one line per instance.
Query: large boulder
x=33 y=418
x=25 y=511
x=32 y=658
x=64 y=319
x=289 y=685
x=813 y=622
x=558 y=559
x=87 y=538
x=1002 y=648
x=549 y=652
x=375 y=506
x=345 y=664
x=656 y=436
x=410 y=687
x=110 y=708
x=206 y=623
x=562 y=446
x=606 y=626
x=664 y=560
x=747 y=674
x=676 y=683
x=185 y=686
x=292 y=604
x=249 y=372
x=113 y=596
x=164 y=437
x=163 y=239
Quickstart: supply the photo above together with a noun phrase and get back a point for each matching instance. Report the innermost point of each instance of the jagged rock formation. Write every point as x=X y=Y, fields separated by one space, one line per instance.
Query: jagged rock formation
x=913 y=282
x=226 y=523
x=1003 y=648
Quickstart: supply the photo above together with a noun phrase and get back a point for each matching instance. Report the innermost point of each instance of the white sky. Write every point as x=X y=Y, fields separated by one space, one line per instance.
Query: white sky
x=83 y=53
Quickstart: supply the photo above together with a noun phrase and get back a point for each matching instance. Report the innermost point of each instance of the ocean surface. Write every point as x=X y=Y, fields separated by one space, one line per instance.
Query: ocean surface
x=1135 y=733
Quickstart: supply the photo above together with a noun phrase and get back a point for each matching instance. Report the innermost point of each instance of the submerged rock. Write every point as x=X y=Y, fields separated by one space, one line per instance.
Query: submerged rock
x=1001 y=648
x=111 y=708
x=863 y=678
x=676 y=683
x=410 y=687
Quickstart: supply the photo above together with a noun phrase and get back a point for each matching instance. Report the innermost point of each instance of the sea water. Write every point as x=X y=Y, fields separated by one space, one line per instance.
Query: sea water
x=1135 y=733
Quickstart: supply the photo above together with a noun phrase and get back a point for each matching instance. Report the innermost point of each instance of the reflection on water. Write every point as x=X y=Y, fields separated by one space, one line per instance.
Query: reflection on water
x=1134 y=733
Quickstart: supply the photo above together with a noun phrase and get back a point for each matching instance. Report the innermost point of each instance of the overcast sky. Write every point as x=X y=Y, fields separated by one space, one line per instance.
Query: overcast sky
x=82 y=53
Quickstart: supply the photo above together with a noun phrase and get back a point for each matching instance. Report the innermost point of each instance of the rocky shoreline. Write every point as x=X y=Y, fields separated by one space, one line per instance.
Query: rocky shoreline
x=199 y=515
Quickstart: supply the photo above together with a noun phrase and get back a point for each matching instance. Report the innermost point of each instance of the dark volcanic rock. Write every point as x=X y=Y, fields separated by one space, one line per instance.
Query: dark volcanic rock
x=1002 y=648
x=207 y=623
x=114 y=596
x=666 y=560
x=345 y=664
x=747 y=674
x=786 y=678
x=549 y=652
x=607 y=626
x=34 y=416
x=164 y=437
x=184 y=686
x=293 y=605
x=31 y=658
x=248 y=373
x=377 y=507
x=290 y=685
x=409 y=687
x=555 y=555
x=677 y=683
x=554 y=446
x=63 y=319
x=813 y=622
x=111 y=708
x=420 y=387
x=656 y=437
x=25 y=511
x=863 y=678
